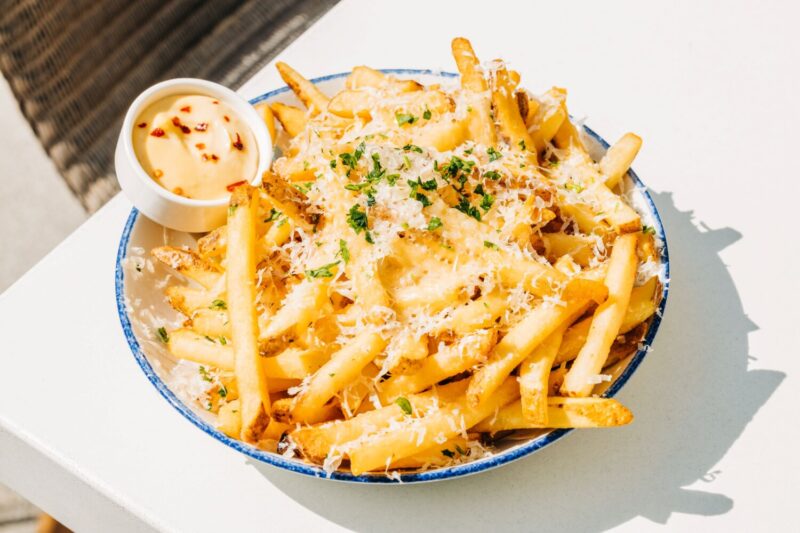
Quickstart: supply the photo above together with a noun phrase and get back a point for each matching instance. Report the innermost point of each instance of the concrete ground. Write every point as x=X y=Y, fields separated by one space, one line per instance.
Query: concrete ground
x=37 y=211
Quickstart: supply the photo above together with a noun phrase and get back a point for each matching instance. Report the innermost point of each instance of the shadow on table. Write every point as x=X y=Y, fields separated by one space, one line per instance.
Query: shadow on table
x=692 y=399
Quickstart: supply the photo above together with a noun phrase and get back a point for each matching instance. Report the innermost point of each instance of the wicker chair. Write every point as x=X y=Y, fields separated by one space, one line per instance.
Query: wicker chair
x=74 y=66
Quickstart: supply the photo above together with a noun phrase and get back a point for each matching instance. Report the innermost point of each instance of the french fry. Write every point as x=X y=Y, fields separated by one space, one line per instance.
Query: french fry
x=292 y=119
x=518 y=344
x=640 y=308
x=579 y=247
x=447 y=362
x=189 y=345
x=301 y=306
x=368 y=77
x=282 y=412
x=211 y=322
x=316 y=442
x=306 y=91
x=187 y=299
x=269 y=119
x=607 y=319
x=439 y=455
x=344 y=366
x=286 y=199
x=250 y=378
x=534 y=373
x=618 y=158
x=477 y=314
x=507 y=112
x=481 y=125
x=214 y=243
x=352 y=103
x=294 y=363
x=419 y=434
x=443 y=135
x=229 y=419
x=189 y=264
x=561 y=413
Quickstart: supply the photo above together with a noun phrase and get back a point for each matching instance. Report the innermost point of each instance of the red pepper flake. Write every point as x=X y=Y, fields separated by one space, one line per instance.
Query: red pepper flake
x=177 y=123
x=157 y=173
x=142 y=124
x=200 y=146
x=235 y=184
x=214 y=157
x=178 y=191
x=215 y=102
x=227 y=118
x=158 y=132
x=187 y=109
x=238 y=144
x=202 y=126
x=204 y=157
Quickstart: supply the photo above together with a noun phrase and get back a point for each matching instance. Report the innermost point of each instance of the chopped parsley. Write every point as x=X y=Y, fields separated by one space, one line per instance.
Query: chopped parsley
x=209 y=339
x=232 y=210
x=574 y=187
x=304 y=187
x=434 y=223
x=223 y=391
x=218 y=304
x=323 y=271
x=404 y=404
x=521 y=144
x=427 y=114
x=468 y=152
x=404 y=118
x=421 y=198
x=204 y=374
x=486 y=202
x=391 y=179
x=333 y=163
x=455 y=169
x=357 y=219
x=162 y=335
x=429 y=185
x=274 y=215
x=490 y=244
x=494 y=155
x=412 y=148
x=648 y=230
x=222 y=340
x=492 y=175
x=468 y=209
x=344 y=252
x=351 y=159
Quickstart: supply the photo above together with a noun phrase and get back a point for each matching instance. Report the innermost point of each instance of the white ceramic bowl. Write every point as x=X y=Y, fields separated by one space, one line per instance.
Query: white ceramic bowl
x=156 y=202
x=142 y=309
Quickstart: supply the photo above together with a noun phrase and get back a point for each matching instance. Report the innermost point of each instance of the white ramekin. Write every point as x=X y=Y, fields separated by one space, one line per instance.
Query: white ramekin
x=156 y=202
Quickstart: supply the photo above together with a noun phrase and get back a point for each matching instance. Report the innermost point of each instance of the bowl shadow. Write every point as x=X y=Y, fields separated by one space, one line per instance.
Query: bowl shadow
x=692 y=397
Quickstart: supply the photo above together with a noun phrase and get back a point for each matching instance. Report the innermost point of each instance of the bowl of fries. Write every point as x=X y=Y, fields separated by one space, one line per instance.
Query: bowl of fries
x=439 y=274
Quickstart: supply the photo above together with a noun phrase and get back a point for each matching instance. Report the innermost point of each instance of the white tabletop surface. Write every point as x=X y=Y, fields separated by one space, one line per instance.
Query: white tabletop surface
x=713 y=92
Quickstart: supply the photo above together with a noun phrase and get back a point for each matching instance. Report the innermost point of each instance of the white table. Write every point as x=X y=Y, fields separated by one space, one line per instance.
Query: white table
x=713 y=91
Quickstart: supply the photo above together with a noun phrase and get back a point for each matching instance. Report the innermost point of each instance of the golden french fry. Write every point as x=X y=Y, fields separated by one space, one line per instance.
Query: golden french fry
x=189 y=264
x=481 y=125
x=419 y=434
x=187 y=300
x=447 y=362
x=269 y=119
x=229 y=419
x=534 y=373
x=286 y=199
x=306 y=91
x=190 y=345
x=561 y=413
x=352 y=103
x=368 y=77
x=518 y=343
x=295 y=363
x=344 y=366
x=507 y=112
x=439 y=455
x=250 y=378
x=640 y=308
x=292 y=119
x=618 y=158
x=211 y=322
x=607 y=319
x=443 y=135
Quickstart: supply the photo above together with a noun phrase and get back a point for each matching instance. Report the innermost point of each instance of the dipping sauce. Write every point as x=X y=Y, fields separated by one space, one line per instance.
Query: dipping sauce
x=195 y=146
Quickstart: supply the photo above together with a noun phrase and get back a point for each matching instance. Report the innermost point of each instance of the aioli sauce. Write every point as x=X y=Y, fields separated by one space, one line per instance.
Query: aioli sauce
x=195 y=146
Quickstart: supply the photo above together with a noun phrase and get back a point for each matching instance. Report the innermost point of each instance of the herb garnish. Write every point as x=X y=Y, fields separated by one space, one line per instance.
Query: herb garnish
x=404 y=404
x=162 y=335
x=494 y=155
x=404 y=118
x=344 y=252
x=322 y=272
x=218 y=304
x=434 y=223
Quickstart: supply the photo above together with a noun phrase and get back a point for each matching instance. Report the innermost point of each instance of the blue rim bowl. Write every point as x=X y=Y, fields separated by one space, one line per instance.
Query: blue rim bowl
x=474 y=467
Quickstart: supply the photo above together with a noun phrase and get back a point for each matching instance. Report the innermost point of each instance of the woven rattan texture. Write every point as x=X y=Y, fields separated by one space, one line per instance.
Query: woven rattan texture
x=75 y=65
